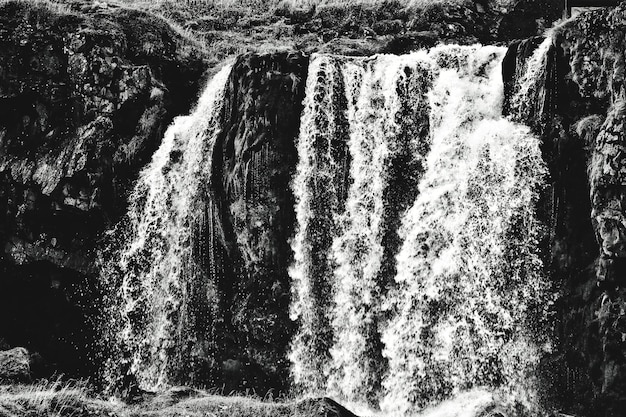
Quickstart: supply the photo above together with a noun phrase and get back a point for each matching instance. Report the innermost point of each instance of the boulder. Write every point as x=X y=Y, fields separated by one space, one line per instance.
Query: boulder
x=322 y=407
x=14 y=365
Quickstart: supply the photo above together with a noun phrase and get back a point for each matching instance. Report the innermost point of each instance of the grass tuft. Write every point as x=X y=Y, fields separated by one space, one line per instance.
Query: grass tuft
x=48 y=398
x=58 y=398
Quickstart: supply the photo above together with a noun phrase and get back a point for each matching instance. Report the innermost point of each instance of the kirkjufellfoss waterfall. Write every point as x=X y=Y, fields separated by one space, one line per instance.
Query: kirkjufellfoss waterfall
x=417 y=271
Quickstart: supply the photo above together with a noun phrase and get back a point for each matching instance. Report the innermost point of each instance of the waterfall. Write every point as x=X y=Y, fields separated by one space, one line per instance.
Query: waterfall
x=163 y=270
x=343 y=245
x=433 y=283
x=416 y=269
x=385 y=97
x=529 y=92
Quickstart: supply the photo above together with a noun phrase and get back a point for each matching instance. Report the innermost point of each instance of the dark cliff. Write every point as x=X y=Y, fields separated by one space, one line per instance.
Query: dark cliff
x=84 y=99
x=579 y=112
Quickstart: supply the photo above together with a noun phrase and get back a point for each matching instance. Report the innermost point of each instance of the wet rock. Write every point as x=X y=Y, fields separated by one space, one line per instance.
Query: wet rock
x=412 y=41
x=522 y=18
x=14 y=365
x=254 y=162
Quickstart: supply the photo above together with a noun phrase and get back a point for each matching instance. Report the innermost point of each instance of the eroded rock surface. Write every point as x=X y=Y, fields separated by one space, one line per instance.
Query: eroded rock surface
x=14 y=365
x=254 y=161
x=85 y=95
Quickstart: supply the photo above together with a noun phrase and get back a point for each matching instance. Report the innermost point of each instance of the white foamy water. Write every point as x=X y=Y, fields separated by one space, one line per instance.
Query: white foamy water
x=156 y=262
x=459 y=310
x=375 y=91
x=321 y=171
x=469 y=266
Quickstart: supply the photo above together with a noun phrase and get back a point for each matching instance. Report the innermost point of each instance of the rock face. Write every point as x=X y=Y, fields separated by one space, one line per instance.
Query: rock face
x=580 y=113
x=14 y=365
x=84 y=98
x=254 y=161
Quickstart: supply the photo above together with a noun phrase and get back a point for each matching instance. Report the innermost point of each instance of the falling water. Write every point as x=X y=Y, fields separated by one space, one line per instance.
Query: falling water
x=323 y=171
x=469 y=269
x=368 y=113
x=456 y=228
x=385 y=96
x=165 y=286
x=529 y=93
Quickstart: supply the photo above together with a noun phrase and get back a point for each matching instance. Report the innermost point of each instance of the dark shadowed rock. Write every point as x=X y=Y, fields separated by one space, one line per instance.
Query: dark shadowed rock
x=254 y=161
x=322 y=407
x=14 y=365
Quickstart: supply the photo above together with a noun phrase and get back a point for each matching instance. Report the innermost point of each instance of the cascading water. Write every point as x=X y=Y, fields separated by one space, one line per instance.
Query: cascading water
x=385 y=102
x=529 y=92
x=163 y=269
x=469 y=270
x=375 y=110
x=322 y=169
x=416 y=272
x=456 y=227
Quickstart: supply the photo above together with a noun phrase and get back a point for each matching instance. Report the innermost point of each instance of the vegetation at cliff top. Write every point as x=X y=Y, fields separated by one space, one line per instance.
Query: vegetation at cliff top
x=226 y=28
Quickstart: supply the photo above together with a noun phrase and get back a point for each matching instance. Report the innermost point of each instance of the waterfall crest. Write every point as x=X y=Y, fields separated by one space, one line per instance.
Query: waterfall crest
x=434 y=270
x=163 y=252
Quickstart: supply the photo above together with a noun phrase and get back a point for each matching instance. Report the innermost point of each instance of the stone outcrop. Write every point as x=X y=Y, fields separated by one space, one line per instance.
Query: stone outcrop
x=580 y=113
x=15 y=365
x=322 y=407
x=85 y=94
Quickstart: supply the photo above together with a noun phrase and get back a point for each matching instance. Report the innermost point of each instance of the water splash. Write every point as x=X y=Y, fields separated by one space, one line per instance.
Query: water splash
x=164 y=284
